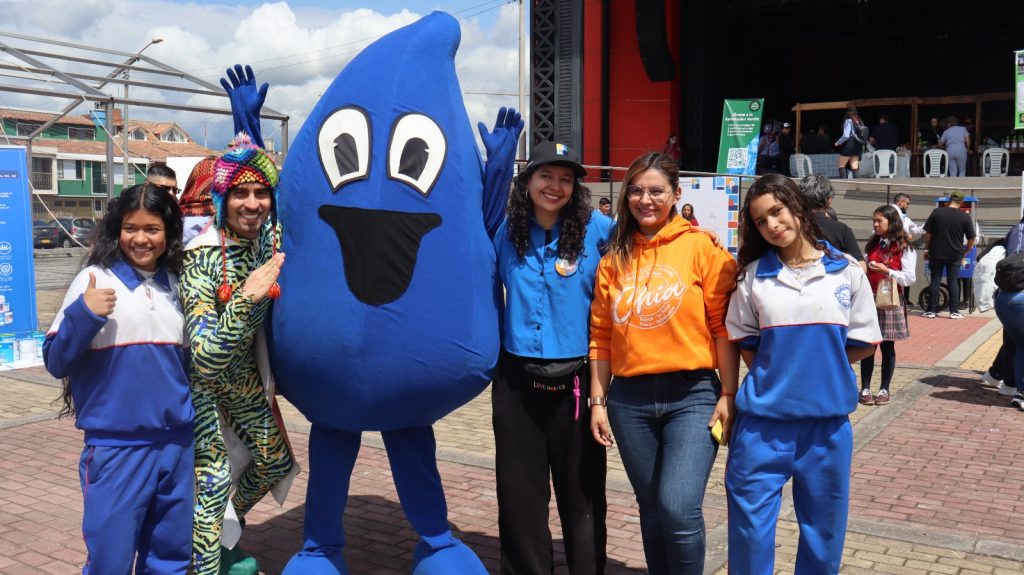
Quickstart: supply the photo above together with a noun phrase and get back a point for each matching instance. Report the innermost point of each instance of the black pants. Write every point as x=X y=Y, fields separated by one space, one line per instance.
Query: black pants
x=1002 y=366
x=867 y=366
x=536 y=438
x=952 y=269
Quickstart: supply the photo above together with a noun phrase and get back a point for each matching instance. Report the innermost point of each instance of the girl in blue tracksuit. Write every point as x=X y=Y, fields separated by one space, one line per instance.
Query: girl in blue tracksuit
x=802 y=312
x=118 y=343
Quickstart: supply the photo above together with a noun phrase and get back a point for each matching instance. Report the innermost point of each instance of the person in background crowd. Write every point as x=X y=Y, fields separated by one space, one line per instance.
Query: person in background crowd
x=818 y=192
x=885 y=136
x=604 y=205
x=787 y=145
x=163 y=177
x=945 y=231
x=901 y=202
x=800 y=300
x=196 y=202
x=765 y=161
x=931 y=133
x=673 y=150
x=889 y=254
x=956 y=141
x=850 y=144
x=657 y=325
x=1002 y=374
x=687 y=213
x=817 y=142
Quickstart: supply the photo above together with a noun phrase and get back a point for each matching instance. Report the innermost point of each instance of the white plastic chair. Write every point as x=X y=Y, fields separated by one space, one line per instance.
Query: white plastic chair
x=800 y=165
x=936 y=164
x=995 y=162
x=885 y=163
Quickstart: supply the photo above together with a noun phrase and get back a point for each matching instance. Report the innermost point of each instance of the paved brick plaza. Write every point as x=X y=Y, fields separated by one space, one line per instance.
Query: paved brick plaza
x=937 y=485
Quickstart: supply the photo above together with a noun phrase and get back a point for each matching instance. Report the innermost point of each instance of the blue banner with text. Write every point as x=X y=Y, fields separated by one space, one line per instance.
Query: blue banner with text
x=17 y=276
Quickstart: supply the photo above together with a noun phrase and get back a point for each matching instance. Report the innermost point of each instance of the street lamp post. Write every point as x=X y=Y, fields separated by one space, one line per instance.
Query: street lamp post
x=124 y=115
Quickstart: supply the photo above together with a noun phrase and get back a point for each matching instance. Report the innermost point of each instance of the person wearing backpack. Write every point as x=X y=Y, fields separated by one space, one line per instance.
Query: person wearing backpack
x=1010 y=311
x=855 y=133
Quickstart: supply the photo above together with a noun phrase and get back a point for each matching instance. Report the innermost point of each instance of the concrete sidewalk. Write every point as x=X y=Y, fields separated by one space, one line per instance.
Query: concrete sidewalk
x=937 y=487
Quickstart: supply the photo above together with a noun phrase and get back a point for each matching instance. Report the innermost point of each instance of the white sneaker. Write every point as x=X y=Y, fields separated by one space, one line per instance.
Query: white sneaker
x=956 y=315
x=1007 y=389
x=988 y=381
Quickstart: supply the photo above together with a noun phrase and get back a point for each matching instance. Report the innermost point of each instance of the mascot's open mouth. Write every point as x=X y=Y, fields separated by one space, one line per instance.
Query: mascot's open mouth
x=379 y=248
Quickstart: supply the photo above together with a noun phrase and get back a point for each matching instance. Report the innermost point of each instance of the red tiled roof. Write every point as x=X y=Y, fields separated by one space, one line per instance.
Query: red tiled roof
x=154 y=150
x=40 y=117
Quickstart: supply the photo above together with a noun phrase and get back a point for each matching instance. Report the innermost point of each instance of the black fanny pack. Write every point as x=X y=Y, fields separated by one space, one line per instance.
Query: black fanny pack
x=551 y=375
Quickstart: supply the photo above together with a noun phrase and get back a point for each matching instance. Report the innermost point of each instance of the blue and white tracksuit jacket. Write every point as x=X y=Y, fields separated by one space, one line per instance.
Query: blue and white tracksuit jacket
x=793 y=407
x=128 y=376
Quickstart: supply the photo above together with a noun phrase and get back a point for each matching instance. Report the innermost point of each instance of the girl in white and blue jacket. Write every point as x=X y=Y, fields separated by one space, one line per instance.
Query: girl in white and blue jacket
x=802 y=312
x=118 y=342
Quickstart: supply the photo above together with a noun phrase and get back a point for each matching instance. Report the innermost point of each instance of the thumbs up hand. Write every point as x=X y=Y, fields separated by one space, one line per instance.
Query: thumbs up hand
x=100 y=301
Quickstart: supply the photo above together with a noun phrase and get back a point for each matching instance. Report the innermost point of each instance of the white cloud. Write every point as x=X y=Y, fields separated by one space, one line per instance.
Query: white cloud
x=299 y=51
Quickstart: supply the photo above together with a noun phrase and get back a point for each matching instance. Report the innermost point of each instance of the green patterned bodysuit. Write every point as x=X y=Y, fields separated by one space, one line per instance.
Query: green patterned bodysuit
x=225 y=377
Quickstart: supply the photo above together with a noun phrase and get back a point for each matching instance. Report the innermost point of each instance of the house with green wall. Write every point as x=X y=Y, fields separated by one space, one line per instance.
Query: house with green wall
x=68 y=165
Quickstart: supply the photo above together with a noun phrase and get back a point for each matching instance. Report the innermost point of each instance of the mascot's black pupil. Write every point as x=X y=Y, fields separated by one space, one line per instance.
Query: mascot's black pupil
x=346 y=154
x=414 y=158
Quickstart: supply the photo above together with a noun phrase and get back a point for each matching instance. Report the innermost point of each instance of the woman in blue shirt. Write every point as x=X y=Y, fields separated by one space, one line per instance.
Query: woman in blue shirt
x=548 y=249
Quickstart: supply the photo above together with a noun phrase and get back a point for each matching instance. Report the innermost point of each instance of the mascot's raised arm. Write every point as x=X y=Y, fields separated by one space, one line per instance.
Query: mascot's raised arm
x=389 y=308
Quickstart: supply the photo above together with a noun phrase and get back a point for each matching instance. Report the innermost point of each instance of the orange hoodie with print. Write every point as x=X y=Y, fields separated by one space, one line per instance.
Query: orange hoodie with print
x=663 y=312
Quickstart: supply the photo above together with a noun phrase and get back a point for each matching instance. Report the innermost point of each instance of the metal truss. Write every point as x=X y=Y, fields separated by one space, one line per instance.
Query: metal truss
x=555 y=71
x=40 y=75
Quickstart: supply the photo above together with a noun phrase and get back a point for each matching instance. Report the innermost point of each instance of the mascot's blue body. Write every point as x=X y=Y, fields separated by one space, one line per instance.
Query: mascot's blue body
x=389 y=312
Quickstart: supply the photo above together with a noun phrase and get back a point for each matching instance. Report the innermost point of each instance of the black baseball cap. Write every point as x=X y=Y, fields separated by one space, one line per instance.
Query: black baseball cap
x=555 y=153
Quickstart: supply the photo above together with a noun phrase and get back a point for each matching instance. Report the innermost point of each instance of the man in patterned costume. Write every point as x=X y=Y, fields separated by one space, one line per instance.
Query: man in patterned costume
x=229 y=279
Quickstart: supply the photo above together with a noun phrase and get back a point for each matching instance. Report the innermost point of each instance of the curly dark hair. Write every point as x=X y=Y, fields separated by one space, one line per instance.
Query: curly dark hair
x=106 y=246
x=621 y=245
x=897 y=237
x=573 y=218
x=752 y=243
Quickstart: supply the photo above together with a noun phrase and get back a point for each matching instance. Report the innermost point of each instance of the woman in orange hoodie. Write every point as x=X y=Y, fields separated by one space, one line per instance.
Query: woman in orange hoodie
x=657 y=323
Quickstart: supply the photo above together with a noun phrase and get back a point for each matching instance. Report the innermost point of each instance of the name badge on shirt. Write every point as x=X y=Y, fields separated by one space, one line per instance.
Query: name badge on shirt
x=566 y=268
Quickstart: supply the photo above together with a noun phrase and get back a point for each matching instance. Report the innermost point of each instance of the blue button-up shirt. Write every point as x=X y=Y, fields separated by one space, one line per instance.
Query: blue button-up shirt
x=547 y=310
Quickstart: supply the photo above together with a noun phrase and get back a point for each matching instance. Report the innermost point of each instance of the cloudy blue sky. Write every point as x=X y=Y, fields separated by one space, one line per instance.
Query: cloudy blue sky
x=298 y=46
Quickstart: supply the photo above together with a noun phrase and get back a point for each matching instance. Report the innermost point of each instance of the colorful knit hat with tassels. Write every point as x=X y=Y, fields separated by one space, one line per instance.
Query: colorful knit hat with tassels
x=241 y=164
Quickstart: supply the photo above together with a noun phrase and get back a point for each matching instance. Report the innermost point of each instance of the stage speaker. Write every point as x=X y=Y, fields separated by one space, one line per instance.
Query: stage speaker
x=652 y=38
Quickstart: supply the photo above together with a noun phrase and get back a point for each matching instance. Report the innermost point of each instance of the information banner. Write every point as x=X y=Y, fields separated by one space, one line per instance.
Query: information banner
x=17 y=276
x=1018 y=74
x=737 y=152
x=716 y=205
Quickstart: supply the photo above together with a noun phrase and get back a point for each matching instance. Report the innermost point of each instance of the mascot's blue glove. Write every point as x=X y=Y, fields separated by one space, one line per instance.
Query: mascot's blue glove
x=501 y=144
x=246 y=101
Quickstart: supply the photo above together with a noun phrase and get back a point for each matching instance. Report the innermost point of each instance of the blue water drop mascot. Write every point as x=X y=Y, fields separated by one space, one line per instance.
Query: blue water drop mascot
x=388 y=316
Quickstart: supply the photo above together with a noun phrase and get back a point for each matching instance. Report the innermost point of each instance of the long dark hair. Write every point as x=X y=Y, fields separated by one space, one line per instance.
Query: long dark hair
x=897 y=237
x=106 y=243
x=572 y=218
x=752 y=243
x=621 y=245
x=106 y=247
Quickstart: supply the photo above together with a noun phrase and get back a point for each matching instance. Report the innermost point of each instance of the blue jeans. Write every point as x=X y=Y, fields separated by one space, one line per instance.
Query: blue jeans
x=661 y=424
x=952 y=269
x=1010 y=311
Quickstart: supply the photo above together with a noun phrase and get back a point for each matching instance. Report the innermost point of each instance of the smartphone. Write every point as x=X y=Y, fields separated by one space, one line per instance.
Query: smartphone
x=716 y=432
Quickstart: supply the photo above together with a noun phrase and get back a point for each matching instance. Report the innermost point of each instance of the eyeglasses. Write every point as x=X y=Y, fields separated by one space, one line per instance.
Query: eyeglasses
x=169 y=189
x=657 y=193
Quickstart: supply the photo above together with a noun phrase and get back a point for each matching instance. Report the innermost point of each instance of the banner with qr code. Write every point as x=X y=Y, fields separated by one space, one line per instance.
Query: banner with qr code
x=1018 y=73
x=737 y=153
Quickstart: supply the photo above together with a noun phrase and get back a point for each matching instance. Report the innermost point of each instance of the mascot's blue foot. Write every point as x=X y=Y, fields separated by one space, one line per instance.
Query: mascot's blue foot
x=445 y=555
x=316 y=563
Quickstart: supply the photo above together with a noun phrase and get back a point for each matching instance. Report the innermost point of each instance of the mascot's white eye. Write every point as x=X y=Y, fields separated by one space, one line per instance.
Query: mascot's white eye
x=344 y=144
x=417 y=152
